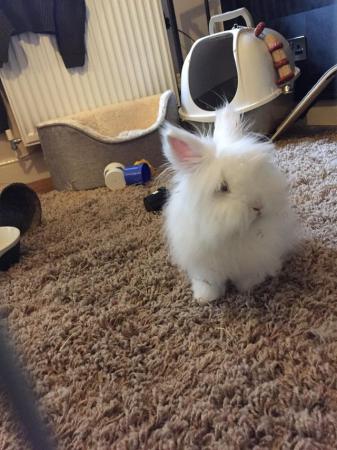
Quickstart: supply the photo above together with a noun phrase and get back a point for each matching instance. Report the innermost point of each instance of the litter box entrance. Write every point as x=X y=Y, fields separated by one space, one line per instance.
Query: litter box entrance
x=213 y=75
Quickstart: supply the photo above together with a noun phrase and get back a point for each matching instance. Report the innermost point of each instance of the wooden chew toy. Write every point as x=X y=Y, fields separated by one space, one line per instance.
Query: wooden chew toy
x=279 y=56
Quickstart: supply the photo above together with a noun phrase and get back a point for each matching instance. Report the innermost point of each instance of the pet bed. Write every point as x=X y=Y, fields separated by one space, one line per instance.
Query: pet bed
x=77 y=148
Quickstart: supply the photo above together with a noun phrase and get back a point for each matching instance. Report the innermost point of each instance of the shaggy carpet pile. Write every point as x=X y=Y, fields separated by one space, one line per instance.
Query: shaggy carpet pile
x=120 y=357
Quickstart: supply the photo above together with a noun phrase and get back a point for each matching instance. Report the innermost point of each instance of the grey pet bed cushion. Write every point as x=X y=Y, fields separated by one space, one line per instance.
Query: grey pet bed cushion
x=77 y=148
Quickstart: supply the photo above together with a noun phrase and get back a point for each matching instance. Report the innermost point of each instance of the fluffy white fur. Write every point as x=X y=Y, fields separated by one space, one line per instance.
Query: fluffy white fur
x=240 y=235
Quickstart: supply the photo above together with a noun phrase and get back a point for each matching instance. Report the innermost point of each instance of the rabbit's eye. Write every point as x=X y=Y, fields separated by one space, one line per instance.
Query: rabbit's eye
x=224 y=187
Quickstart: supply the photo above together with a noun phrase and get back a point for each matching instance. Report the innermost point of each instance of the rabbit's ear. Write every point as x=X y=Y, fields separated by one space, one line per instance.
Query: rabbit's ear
x=228 y=125
x=184 y=150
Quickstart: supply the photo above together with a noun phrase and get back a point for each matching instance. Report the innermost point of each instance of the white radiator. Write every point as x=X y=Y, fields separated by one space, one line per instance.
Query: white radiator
x=128 y=57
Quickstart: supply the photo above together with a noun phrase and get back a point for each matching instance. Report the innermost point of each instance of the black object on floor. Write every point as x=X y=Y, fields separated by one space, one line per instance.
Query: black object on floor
x=20 y=207
x=156 y=200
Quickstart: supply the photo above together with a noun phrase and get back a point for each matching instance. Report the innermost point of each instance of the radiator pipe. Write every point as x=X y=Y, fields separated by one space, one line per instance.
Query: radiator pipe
x=175 y=33
x=208 y=12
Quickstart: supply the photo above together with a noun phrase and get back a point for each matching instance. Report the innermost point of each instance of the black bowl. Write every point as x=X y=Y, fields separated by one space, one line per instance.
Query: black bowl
x=20 y=207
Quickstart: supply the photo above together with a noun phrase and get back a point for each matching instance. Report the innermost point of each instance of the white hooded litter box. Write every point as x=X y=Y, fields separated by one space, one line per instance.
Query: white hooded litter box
x=235 y=66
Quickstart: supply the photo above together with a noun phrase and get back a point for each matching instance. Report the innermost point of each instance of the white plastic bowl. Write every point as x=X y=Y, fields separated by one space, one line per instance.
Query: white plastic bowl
x=9 y=237
x=9 y=247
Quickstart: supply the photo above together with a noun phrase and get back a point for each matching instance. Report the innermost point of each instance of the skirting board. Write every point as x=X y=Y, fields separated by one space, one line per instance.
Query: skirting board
x=42 y=186
x=323 y=112
x=27 y=170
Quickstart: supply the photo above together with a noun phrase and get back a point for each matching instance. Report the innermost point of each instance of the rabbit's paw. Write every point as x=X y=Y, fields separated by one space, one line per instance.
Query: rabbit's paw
x=205 y=292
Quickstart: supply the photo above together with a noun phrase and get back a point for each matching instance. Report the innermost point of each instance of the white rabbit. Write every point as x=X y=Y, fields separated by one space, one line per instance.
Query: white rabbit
x=227 y=216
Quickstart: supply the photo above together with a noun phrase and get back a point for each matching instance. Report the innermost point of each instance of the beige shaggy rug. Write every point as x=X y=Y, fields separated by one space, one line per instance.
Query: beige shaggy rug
x=121 y=358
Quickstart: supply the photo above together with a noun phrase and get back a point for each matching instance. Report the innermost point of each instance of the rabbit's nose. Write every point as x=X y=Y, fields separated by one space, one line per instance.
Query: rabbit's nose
x=257 y=207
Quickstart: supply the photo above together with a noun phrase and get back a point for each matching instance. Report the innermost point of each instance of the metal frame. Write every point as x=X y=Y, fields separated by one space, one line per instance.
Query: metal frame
x=175 y=32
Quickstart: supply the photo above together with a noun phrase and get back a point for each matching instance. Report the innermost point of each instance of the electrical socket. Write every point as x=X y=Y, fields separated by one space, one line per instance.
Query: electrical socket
x=298 y=46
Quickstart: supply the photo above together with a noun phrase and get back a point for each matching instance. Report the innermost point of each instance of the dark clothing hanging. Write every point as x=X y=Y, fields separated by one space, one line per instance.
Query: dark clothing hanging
x=63 y=18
